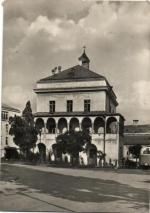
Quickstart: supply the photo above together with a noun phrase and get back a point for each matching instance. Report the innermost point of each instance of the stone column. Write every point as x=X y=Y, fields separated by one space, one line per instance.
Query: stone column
x=92 y=128
x=80 y=126
x=104 y=141
x=56 y=129
x=80 y=123
x=44 y=130
x=67 y=125
x=92 y=119
x=118 y=141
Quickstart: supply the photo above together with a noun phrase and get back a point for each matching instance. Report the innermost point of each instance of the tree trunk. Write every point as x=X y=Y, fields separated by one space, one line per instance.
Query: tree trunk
x=27 y=153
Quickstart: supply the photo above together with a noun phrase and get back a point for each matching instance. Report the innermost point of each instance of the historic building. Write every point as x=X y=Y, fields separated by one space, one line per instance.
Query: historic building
x=6 y=139
x=78 y=98
x=136 y=134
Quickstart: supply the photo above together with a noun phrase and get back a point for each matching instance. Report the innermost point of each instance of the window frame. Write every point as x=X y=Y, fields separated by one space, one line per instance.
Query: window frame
x=87 y=105
x=69 y=105
x=52 y=106
x=4 y=115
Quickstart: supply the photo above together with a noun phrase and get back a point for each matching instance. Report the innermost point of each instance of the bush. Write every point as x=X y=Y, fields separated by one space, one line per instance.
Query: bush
x=11 y=153
x=130 y=164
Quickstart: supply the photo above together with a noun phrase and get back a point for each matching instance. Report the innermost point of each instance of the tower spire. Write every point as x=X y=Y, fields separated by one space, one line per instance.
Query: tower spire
x=84 y=47
x=85 y=61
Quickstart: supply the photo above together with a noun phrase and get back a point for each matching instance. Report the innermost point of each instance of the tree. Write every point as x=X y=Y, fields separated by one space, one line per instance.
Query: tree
x=42 y=151
x=135 y=151
x=11 y=153
x=27 y=114
x=23 y=130
x=71 y=142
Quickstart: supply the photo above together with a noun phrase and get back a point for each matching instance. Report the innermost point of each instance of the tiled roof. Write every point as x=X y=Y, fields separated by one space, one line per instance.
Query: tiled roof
x=137 y=139
x=67 y=114
x=9 y=108
x=137 y=128
x=76 y=73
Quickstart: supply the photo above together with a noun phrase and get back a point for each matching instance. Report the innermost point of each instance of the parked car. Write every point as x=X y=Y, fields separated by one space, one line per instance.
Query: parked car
x=145 y=157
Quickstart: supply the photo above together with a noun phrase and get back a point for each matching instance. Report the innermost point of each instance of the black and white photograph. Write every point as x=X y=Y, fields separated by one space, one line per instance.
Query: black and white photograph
x=75 y=106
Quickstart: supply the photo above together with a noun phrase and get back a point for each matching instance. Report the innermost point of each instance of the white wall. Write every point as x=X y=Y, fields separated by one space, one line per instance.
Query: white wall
x=110 y=104
x=76 y=84
x=98 y=101
x=111 y=145
x=5 y=134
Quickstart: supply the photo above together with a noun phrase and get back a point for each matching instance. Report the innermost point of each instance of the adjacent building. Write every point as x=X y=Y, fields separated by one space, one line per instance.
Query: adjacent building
x=136 y=134
x=80 y=99
x=6 y=139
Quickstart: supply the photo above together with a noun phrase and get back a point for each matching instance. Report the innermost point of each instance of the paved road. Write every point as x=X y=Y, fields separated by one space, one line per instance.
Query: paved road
x=40 y=188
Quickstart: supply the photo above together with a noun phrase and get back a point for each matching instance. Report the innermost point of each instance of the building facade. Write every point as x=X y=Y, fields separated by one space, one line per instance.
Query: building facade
x=136 y=134
x=6 y=139
x=80 y=99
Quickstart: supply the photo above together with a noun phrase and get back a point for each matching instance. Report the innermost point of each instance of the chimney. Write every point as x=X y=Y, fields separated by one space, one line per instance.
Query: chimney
x=135 y=122
x=54 y=71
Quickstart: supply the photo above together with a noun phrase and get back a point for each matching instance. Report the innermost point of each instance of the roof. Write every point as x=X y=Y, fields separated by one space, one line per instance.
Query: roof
x=9 y=108
x=137 y=139
x=84 y=58
x=75 y=73
x=68 y=114
x=137 y=128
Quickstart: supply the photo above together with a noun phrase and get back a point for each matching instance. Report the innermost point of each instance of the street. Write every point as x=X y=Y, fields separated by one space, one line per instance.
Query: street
x=43 y=188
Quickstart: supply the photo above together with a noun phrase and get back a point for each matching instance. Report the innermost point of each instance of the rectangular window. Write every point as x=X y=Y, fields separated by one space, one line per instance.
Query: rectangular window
x=4 y=115
x=52 y=106
x=69 y=106
x=87 y=105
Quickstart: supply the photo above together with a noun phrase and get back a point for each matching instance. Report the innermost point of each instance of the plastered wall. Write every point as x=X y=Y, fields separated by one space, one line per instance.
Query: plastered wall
x=98 y=101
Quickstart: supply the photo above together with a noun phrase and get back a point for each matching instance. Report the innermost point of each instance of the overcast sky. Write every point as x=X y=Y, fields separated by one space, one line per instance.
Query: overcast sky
x=41 y=34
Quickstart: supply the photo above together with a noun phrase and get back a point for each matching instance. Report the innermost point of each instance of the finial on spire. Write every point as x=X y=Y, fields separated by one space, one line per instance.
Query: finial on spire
x=84 y=47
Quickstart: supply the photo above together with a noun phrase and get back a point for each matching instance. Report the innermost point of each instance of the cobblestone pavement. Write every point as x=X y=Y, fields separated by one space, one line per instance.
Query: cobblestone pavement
x=42 y=188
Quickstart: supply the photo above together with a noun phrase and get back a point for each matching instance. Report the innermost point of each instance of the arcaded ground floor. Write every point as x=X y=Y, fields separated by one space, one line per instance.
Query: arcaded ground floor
x=43 y=188
x=106 y=131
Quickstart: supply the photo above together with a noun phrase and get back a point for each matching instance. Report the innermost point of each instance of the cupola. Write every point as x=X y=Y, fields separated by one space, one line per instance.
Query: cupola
x=85 y=61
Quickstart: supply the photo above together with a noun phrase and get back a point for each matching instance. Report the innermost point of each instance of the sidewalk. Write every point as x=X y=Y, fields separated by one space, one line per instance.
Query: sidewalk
x=21 y=198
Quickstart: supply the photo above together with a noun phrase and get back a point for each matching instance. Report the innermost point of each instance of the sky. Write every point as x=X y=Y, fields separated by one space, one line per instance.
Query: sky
x=42 y=34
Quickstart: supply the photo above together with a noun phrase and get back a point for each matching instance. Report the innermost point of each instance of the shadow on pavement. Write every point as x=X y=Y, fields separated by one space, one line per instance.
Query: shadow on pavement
x=80 y=189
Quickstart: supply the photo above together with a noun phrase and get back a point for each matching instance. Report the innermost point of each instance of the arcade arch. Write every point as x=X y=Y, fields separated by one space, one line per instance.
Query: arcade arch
x=51 y=125
x=111 y=125
x=62 y=125
x=74 y=123
x=99 y=125
x=39 y=124
x=86 y=124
